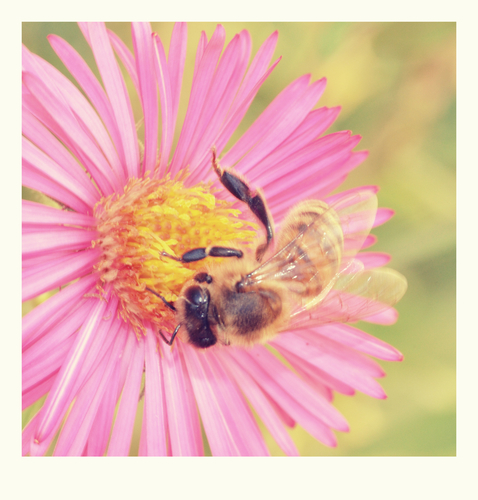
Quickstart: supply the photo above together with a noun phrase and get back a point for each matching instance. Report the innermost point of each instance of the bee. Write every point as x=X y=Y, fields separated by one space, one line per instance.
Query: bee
x=312 y=277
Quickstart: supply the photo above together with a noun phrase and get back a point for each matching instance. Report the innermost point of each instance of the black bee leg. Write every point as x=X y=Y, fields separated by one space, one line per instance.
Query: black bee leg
x=173 y=336
x=169 y=304
x=254 y=200
x=201 y=253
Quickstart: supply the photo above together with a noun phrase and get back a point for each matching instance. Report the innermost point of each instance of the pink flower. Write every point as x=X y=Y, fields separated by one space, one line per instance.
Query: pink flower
x=124 y=202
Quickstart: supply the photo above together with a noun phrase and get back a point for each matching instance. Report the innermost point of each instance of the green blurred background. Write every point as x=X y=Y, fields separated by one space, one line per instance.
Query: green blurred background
x=396 y=84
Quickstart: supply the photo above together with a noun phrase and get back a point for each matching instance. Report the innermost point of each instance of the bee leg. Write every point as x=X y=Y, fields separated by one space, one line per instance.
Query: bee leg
x=201 y=253
x=169 y=304
x=173 y=336
x=255 y=201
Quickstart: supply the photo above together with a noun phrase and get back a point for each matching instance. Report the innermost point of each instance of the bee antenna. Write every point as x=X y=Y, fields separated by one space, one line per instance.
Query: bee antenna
x=169 y=304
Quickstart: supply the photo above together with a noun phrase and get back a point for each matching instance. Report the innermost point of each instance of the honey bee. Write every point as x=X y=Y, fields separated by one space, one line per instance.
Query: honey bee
x=313 y=277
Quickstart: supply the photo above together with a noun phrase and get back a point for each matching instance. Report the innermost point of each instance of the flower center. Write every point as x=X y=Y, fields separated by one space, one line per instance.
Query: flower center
x=152 y=217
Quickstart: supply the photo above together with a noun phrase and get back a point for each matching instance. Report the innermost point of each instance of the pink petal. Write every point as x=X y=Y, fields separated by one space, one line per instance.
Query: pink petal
x=176 y=59
x=259 y=402
x=57 y=239
x=373 y=259
x=77 y=363
x=101 y=426
x=167 y=117
x=360 y=341
x=383 y=215
x=282 y=388
x=261 y=129
x=183 y=420
x=38 y=215
x=39 y=135
x=154 y=411
x=95 y=93
x=46 y=278
x=47 y=314
x=123 y=428
x=228 y=422
x=387 y=317
x=48 y=353
x=224 y=86
x=143 y=48
x=201 y=83
x=117 y=94
x=342 y=363
x=42 y=173
x=39 y=390
x=52 y=109
x=76 y=430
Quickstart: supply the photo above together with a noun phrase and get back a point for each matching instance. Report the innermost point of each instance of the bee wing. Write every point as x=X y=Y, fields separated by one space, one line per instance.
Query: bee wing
x=316 y=242
x=356 y=294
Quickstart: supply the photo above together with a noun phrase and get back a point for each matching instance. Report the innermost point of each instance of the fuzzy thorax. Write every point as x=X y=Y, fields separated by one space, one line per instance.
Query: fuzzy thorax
x=151 y=217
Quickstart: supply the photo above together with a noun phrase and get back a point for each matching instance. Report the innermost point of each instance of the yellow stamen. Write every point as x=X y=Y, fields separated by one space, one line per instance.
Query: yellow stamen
x=151 y=217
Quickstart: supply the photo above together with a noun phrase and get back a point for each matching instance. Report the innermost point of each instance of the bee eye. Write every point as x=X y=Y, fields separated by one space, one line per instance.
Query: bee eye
x=195 y=295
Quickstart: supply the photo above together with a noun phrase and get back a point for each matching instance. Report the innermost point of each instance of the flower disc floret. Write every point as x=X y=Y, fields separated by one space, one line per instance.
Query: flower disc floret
x=153 y=217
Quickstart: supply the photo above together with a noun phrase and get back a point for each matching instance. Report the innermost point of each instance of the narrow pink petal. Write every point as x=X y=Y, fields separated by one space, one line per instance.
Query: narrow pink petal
x=167 y=118
x=261 y=128
x=126 y=58
x=143 y=48
x=52 y=109
x=183 y=420
x=226 y=418
x=201 y=83
x=255 y=76
x=310 y=163
x=57 y=239
x=123 y=428
x=227 y=79
x=280 y=384
x=202 y=44
x=304 y=137
x=285 y=121
x=39 y=135
x=373 y=259
x=387 y=317
x=383 y=215
x=95 y=93
x=27 y=434
x=38 y=391
x=331 y=200
x=62 y=272
x=38 y=215
x=117 y=94
x=85 y=114
x=48 y=353
x=301 y=392
x=75 y=432
x=63 y=390
x=99 y=434
x=315 y=375
x=259 y=402
x=154 y=411
x=369 y=241
x=49 y=313
x=36 y=180
x=35 y=161
x=342 y=363
x=360 y=341
x=316 y=187
x=176 y=59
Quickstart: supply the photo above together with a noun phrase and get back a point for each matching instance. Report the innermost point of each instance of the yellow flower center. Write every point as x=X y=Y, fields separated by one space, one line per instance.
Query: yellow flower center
x=152 y=217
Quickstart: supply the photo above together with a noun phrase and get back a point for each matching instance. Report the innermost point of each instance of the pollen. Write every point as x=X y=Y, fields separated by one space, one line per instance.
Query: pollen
x=151 y=218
